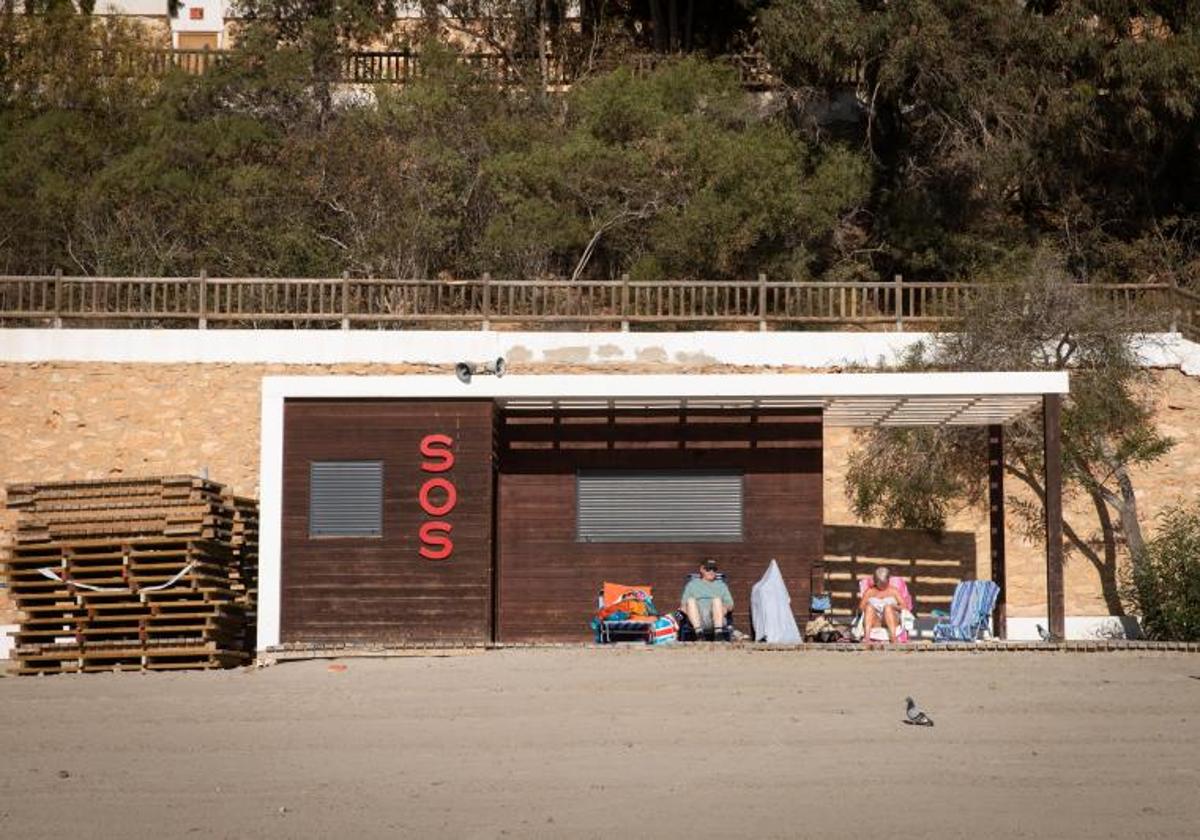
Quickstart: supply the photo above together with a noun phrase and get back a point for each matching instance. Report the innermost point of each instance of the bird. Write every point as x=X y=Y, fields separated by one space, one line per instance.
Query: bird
x=1045 y=634
x=914 y=716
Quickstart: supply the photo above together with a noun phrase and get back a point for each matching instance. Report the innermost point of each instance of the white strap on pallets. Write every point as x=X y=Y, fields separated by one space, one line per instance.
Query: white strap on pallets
x=50 y=573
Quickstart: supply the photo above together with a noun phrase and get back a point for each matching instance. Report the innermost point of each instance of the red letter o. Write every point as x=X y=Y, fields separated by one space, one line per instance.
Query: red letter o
x=445 y=507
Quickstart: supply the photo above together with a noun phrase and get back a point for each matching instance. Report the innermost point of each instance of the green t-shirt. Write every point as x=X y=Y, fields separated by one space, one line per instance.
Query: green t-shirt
x=704 y=590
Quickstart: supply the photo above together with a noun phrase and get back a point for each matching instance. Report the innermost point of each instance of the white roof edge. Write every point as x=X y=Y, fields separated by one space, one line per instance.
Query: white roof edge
x=673 y=386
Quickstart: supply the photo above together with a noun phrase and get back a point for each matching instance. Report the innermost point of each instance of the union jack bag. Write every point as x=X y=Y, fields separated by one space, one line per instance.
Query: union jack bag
x=665 y=630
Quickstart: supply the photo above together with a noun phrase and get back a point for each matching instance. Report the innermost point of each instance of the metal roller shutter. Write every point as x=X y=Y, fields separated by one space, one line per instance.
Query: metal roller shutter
x=345 y=498
x=643 y=506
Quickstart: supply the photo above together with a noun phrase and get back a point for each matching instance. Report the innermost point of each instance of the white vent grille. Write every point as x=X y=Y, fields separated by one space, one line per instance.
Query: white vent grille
x=345 y=499
x=643 y=506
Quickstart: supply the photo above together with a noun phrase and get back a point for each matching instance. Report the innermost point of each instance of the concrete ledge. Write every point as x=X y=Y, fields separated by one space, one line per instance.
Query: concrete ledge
x=443 y=347
x=813 y=350
x=1078 y=627
x=296 y=652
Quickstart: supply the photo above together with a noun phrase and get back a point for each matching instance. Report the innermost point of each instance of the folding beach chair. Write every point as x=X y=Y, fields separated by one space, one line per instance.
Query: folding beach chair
x=970 y=612
x=610 y=631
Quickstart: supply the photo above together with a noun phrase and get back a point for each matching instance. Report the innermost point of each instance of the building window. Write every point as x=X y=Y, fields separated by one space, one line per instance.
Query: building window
x=345 y=499
x=658 y=506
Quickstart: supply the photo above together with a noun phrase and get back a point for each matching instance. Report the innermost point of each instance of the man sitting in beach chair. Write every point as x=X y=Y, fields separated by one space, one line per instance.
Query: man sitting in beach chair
x=882 y=603
x=707 y=602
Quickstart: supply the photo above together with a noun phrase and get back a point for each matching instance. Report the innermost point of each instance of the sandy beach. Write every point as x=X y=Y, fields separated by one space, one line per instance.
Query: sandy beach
x=701 y=742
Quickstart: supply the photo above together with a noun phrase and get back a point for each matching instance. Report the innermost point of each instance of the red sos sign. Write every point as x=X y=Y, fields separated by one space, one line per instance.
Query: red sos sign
x=437 y=497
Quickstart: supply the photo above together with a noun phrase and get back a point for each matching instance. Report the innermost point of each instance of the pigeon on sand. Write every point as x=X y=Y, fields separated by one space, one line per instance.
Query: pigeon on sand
x=914 y=716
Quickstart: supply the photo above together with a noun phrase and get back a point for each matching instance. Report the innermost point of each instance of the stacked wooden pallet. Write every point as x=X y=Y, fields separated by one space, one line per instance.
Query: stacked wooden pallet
x=243 y=572
x=131 y=574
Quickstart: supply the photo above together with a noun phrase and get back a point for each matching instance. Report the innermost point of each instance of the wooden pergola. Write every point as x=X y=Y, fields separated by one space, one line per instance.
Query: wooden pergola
x=851 y=400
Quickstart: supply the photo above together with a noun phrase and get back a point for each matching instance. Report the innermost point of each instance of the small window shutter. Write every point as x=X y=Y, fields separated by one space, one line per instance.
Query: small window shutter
x=640 y=506
x=345 y=499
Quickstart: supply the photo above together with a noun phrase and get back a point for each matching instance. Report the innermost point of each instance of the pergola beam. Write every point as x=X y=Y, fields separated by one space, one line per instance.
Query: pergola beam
x=996 y=528
x=1052 y=438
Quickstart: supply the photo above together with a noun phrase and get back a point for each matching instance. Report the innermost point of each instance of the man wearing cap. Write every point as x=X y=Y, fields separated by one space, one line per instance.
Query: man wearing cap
x=706 y=600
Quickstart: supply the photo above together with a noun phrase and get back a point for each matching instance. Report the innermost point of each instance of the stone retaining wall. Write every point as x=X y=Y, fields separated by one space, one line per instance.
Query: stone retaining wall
x=65 y=420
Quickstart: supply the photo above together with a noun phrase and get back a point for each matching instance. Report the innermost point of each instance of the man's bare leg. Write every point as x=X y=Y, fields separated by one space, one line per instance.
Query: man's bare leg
x=718 y=613
x=892 y=618
x=692 y=608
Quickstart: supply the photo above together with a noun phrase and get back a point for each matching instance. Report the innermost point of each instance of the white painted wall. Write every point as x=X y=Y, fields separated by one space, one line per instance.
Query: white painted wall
x=152 y=8
x=815 y=350
x=1078 y=627
x=405 y=9
x=6 y=641
x=212 y=20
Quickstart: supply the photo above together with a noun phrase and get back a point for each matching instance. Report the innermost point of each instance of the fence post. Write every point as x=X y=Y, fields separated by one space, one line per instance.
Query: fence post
x=897 y=280
x=762 y=302
x=1173 y=295
x=487 y=300
x=345 y=300
x=203 y=299
x=58 y=288
x=624 y=303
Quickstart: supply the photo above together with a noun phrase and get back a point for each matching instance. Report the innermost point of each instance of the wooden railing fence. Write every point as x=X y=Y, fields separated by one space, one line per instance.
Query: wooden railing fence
x=346 y=302
x=403 y=66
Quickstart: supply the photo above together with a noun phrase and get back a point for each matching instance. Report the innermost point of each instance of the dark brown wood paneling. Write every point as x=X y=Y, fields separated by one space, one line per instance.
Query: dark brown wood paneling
x=548 y=582
x=381 y=589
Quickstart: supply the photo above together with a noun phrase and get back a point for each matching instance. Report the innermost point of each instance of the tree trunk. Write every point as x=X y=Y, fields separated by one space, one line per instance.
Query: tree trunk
x=325 y=59
x=543 y=58
x=1107 y=567
x=1125 y=504
x=659 y=22
x=673 y=18
x=1131 y=527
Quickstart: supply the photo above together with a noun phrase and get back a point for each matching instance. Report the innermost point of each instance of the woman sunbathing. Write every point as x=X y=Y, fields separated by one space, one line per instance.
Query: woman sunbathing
x=881 y=602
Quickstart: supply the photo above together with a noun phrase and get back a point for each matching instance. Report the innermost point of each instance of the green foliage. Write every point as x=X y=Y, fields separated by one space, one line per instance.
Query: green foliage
x=670 y=174
x=914 y=477
x=987 y=131
x=994 y=125
x=1164 y=588
x=246 y=171
x=1035 y=319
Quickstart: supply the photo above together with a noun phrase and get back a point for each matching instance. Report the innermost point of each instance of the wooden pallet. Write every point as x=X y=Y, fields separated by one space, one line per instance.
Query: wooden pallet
x=102 y=657
x=128 y=536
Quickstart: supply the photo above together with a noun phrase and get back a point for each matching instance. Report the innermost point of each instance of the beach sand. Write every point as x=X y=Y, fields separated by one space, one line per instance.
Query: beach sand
x=632 y=742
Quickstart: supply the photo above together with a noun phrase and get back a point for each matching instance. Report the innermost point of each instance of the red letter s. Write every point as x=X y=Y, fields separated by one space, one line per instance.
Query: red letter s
x=436 y=539
x=445 y=458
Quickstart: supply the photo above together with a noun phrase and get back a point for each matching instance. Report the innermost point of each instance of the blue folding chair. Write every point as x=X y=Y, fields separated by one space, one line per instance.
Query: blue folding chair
x=970 y=611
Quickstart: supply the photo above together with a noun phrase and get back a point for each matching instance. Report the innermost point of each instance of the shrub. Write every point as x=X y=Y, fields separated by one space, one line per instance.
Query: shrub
x=1164 y=586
